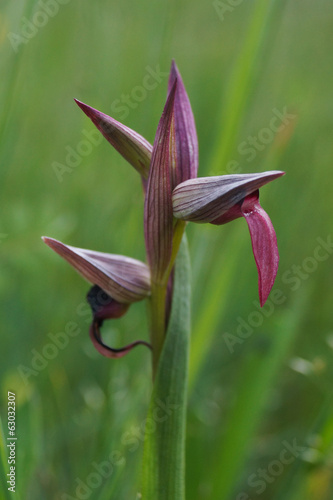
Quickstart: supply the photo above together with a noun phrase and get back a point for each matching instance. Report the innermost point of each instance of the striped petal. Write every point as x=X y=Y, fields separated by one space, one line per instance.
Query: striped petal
x=126 y=280
x=210 y=199
x=131 y=145
x=185 y=132
x=158 y=201
x=219 y=200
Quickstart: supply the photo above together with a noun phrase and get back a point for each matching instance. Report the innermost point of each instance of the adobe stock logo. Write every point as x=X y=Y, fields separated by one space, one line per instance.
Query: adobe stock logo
x=121 y=107
x=259 y=480
x=131 y=441
x=40 y=18
x=74 y=155
x=293 y=278
x=222 y=8
x=99 y=473
x=255 y=144
x=49 y=351
x=120 y=110
x=54 y=344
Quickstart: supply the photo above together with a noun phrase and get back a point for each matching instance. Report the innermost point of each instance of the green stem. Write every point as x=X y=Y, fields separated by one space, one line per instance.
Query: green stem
x=178 y=232
x=158 y=299
x=164 y=448
x=157 y=315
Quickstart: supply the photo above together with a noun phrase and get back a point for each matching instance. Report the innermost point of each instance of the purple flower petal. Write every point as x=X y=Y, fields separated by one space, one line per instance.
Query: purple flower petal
x=219 y=200
x=264 y=244
x=131 y=145
x=185 y=132
x=124 y=279
x=210 y=199
x=158 y=202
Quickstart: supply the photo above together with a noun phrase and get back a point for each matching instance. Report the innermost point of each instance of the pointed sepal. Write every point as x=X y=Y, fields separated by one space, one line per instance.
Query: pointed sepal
x=126 y=280
x=221 y=199
x=158 y=201
x=210 y=199
x=131 y=145
x=185 y=132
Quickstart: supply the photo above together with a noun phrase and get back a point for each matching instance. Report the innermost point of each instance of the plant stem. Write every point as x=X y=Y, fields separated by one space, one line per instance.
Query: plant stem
x=158 y=299
x=178 y=232
x=157 y=315
x=163 y=475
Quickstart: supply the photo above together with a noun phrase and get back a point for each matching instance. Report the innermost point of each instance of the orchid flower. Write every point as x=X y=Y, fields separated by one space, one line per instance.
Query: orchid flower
x=118 y=281
x=221 y=199
x=173 y=196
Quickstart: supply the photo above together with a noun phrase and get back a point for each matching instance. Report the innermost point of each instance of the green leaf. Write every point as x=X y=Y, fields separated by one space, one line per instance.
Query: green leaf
x=164 y=449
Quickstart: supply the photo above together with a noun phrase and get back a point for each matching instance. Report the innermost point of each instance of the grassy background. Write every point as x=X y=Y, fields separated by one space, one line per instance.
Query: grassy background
x=249 y=399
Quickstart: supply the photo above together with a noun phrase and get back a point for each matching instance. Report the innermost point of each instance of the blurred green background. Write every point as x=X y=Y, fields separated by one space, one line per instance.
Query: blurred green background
x=260 y=421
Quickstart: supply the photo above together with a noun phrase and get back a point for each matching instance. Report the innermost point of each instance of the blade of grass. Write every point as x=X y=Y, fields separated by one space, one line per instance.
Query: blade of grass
x=255 y=382
x=12 y=77
x=164 y=450
x=295 y=485
x=246 y=72
x=213 y=308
